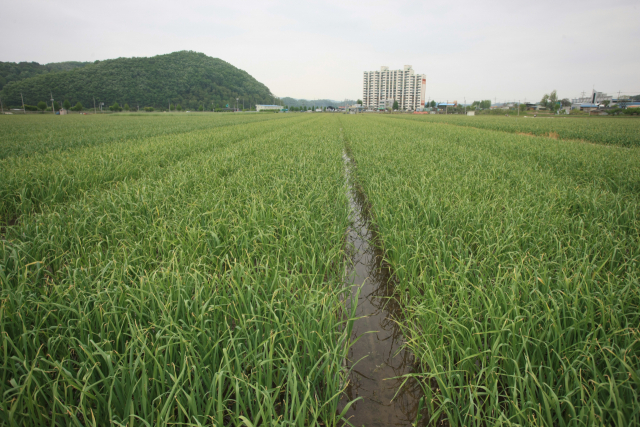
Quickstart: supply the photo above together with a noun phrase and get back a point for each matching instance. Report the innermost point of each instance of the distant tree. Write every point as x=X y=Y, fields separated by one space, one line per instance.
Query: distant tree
x=359 y=101
x=56 y=106
x=77 y=107
x=179 y=107
x=549 y=100
x=148 y=109
x=433 y=104
x=115 y=107
x=66 y=104
x=201 y=108
x=395 y=105
x=126 y=107
x=523 y=107
x=42 y=105
x=545 y=100
x=172 y=107
x=606 y=103
x=565 y=102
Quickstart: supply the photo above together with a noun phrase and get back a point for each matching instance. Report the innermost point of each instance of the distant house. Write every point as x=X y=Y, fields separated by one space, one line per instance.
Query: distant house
x=503 y=106
x=260 y=107
x=587 y=107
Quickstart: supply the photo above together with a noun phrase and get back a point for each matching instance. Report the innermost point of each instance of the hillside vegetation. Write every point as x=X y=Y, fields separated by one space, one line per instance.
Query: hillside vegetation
x=16 y=71
x=185 y=78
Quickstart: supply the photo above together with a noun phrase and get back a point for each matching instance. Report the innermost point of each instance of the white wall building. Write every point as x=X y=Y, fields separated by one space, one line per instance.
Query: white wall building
x=260 y=107
x=386 y=85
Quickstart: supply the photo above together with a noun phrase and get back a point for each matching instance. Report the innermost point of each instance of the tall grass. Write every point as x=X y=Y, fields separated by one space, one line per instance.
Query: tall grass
x=517 y=262
x=194 y=279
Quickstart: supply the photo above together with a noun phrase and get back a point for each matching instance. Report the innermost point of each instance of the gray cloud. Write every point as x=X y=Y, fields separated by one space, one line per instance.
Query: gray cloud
x=478 y=50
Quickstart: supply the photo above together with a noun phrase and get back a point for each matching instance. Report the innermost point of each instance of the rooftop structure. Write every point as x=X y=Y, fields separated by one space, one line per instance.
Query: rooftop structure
x=595 y=98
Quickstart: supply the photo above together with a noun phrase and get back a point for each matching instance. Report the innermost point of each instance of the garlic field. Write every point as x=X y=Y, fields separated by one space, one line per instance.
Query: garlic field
x=189 y=270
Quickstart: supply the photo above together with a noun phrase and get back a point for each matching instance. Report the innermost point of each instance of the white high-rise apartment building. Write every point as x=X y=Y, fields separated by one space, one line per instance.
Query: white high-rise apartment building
x=385 y=86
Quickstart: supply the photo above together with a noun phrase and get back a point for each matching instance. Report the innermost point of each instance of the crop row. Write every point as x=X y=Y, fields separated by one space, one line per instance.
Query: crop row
x=205 y=288
x=615 y=131
x=517 y=261
x=26 y=183
x=31 y=135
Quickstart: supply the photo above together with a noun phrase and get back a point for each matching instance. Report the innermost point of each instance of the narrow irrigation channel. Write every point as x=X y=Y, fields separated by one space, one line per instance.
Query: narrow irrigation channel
x=377 y=358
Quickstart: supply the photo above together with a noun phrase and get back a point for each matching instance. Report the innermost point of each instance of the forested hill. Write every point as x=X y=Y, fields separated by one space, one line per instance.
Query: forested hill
x=16 y=71
x=187 y=78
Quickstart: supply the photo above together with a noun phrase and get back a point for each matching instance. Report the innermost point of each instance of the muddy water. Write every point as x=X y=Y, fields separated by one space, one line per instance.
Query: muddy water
x=377 y=356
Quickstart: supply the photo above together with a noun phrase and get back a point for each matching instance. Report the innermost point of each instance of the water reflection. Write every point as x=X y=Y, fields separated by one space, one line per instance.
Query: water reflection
x=377 y=356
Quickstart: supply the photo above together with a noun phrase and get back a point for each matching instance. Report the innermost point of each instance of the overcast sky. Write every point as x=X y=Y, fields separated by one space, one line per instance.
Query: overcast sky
x=502 y=50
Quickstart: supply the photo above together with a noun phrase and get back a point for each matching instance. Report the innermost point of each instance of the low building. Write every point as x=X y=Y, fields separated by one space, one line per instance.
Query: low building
x=260 y=107
x=386 y=104
x=597 y=98
x=357 y=108
x=587 y=107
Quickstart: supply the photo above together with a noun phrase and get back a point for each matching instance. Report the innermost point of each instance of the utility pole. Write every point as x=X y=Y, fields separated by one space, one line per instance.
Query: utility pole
x=237 y=99
x=53 y=108
x=23 y=110
x=1 y=106
x=94 y=105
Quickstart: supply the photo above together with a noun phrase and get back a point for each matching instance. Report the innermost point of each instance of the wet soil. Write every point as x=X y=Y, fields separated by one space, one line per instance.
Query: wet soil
x=377 y=360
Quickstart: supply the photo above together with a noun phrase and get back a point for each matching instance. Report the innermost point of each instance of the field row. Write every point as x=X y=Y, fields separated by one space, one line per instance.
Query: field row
x=201 y=285
x=615 y=131
x=32 y=135
x=517 y=263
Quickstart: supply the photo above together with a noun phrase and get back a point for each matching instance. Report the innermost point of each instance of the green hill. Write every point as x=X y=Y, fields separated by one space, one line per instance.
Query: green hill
x=16 y=71
x=187 y=78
